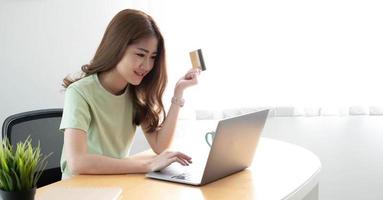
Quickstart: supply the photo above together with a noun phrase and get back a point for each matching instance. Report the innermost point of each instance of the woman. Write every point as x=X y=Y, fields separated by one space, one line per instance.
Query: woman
x=122 y=88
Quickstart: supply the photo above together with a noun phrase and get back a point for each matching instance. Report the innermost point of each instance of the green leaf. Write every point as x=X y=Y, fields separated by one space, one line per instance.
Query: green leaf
x=20 y=168
x=8 y=186
x=18 y=183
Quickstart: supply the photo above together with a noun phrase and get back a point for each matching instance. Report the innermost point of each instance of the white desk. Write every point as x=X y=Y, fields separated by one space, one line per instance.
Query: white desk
x=285 y=171
x=280 y=171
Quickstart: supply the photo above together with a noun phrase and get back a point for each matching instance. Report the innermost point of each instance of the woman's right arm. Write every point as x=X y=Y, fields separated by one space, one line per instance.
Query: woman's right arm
x=81 y=162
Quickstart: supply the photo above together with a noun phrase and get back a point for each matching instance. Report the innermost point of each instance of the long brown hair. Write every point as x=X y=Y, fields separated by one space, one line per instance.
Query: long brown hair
x=126 y=28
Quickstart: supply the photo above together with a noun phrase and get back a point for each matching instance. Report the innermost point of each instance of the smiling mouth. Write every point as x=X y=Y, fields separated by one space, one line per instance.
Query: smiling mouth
x=140 y=74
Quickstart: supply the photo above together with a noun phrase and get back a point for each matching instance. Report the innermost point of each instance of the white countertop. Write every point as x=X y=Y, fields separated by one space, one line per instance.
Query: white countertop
x=280 y=170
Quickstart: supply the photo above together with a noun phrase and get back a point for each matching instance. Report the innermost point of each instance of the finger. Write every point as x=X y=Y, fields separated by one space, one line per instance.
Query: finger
x=188 y=161
x=192 y=72
x=189 y=76
x=193 y=81
x=197 y=70
x=185 y=158
x=184 y=162
x=180 y=154
x=193 y=78
x=180 y=161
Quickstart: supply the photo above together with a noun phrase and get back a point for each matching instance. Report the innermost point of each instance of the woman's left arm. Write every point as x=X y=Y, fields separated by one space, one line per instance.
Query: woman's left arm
x=163 y=137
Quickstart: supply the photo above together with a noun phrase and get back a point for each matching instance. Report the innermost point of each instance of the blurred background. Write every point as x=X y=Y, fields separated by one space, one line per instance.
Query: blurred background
x=298 y=54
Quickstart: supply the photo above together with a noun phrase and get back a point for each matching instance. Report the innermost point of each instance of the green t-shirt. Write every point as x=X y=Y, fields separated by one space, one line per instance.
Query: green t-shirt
x=105 y=117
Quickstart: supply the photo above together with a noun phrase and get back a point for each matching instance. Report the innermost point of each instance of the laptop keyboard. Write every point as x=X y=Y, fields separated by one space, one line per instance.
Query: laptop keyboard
x=182 y=176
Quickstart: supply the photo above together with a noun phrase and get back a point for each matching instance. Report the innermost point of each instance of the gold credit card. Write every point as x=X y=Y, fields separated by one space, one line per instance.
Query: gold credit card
x=197 y=59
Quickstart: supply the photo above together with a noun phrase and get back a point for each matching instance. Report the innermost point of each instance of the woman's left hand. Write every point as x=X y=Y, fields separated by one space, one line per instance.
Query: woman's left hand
x=189 y=79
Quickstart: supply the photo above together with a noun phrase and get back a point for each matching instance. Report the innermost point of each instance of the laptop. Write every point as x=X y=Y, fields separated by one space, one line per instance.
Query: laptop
x=232 y=150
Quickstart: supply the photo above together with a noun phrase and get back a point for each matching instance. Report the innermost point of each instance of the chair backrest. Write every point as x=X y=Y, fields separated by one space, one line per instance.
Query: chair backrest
x=41 y=126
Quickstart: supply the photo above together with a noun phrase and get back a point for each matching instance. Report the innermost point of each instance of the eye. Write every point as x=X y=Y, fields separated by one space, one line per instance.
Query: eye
x=153 y=57
x=140 y=55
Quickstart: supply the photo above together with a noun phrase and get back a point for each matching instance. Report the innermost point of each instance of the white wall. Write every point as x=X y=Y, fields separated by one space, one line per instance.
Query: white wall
x=41 y=42
x=258 y=53
x=277 y=52
x=349 y=149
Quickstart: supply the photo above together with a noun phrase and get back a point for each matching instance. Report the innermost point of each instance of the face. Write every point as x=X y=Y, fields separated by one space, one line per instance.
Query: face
x=138 y=60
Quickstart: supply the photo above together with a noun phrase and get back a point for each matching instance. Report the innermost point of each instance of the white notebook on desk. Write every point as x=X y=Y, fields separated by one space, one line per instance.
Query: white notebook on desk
x=81 y=193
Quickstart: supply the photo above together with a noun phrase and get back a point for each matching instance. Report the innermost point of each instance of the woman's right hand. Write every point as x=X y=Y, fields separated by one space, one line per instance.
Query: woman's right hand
x=168 y=157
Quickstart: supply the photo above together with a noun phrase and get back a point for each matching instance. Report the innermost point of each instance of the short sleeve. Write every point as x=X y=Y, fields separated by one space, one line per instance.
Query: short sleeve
x=76 y=113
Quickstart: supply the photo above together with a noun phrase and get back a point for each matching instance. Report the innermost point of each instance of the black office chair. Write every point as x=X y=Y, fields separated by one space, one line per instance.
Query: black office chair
x=41 y=126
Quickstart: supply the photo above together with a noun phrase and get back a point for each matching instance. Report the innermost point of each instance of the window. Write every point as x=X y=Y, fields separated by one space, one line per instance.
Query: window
x=277 y=53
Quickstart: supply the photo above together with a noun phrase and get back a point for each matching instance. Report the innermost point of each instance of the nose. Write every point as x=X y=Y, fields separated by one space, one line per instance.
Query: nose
x=146 y=64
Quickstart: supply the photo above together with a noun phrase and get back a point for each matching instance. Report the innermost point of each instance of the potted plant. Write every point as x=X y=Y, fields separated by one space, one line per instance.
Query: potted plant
x=20 y=169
